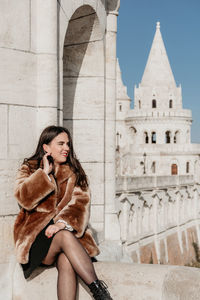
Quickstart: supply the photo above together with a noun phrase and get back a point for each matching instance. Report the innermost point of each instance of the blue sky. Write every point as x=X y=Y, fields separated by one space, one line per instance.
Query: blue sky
x=180 y=28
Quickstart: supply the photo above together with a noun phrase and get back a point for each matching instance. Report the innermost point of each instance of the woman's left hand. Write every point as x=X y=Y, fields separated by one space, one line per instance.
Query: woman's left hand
x=52 y=229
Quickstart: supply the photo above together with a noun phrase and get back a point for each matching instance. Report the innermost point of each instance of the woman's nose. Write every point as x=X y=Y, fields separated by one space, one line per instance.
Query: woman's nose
x=66 y=147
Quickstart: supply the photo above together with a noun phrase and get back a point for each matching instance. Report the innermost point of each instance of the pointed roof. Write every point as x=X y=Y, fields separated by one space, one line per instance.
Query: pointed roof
x=158 y=72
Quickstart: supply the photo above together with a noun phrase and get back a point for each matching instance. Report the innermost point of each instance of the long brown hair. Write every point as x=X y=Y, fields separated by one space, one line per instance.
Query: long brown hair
x=47 y=135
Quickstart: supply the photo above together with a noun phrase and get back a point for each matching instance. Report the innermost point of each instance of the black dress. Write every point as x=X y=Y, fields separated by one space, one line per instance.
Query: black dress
x=38 y=251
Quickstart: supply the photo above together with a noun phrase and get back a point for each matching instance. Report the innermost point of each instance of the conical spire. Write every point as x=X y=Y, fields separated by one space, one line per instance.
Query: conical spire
x=158 y=72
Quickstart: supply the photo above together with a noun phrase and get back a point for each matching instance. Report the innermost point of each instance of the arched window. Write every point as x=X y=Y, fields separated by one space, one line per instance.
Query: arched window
x=167 y=137
x=153 y=103
x=120 y=107
x=153 y=138
x=139 y=104
x=170 y=104
x=187 y=167
x=174 y=169
x=176 y=137
x=153 y=167
x=146 y=138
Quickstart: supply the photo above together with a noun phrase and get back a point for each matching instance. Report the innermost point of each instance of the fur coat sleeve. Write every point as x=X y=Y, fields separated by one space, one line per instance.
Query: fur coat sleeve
x=74 y=208
x=27 y=184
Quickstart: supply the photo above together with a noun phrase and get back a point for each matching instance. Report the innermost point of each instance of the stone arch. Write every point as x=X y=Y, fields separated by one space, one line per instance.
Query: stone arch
x=82 y=110
x=132 y=134
x=170 y=103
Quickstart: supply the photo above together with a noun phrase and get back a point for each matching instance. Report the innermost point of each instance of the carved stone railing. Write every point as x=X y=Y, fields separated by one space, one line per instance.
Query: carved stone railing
x=153 y=206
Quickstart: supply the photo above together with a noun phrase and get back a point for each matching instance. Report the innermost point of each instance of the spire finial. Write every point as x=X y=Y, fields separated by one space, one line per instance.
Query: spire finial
x=158 y=25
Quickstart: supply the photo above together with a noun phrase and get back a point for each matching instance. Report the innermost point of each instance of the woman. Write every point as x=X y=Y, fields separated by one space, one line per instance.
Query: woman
x=53 y=194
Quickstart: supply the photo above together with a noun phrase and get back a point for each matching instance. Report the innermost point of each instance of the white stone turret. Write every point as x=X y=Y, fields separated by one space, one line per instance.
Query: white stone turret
x=154 y=137
x=158 y=113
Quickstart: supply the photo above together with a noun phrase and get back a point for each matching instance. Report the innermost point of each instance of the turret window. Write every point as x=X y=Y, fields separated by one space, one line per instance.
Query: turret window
x=170 y=104
x=176 y=137
x=139 y=104
x=153 y=167
x=153 y=103
x=167 y=137
x=146 y=138
x=120 y=107
x=153 y=138
x=174 y=169
x=187 y=167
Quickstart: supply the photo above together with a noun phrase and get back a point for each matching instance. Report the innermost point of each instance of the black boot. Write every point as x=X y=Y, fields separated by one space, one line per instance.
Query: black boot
x=99 y=290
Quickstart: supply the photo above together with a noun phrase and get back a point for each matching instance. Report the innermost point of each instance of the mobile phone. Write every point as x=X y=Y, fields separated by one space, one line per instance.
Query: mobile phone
x=50 y=159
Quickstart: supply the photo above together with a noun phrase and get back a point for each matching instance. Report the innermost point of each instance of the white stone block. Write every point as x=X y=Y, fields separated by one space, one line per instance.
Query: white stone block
x=47 y=80
x=97 y=214
x=95 y=173
x=3 y=131
x=88 y=138
x=46 y=116
x=44 y=26
x=17 y=77
x=83 y=98
x=84 y=60
x=15 y=24
x=8 y=170
x=22 y=131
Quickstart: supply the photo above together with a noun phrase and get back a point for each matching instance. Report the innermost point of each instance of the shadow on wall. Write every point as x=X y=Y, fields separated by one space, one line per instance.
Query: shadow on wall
x=77 y=39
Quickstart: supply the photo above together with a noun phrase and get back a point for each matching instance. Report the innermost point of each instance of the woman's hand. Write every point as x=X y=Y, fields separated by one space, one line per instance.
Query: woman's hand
x=47 y=165
x=52 y=229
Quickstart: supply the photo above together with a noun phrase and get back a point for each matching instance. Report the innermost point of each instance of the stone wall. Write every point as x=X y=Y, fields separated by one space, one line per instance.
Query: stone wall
x=53 y=72
x=159 y=219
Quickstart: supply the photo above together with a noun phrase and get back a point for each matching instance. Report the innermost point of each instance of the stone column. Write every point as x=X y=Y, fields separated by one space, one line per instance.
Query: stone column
x=112 y=231
x=44 y=45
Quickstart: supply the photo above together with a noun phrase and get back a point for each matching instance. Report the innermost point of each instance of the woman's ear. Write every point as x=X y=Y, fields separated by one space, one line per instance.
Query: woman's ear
x=45 y=147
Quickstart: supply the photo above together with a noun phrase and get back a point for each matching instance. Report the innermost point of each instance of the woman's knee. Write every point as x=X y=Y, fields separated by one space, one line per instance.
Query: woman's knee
x=63 y=235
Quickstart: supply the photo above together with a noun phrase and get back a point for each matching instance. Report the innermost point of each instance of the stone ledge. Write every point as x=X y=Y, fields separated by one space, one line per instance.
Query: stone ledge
x=125 y=280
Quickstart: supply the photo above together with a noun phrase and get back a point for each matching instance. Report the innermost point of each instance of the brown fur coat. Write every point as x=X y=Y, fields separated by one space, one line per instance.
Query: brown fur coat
x=41 y=200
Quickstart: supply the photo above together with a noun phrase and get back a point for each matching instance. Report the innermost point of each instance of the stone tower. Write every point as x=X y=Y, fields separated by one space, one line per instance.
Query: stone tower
x=157 y=130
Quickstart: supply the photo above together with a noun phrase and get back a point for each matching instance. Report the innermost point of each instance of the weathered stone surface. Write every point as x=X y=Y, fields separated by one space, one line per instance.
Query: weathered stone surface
x=44 y=29
x=22 y=131
x=88 y=139
x=3 y=131
x=174 y=252
x=148 y=254
x=17 y=70
x=10 y=14
x=83 y=98
x=8 y=204
x=85 y=59
x=6 y=237
x=95 y=173
x=133 y=281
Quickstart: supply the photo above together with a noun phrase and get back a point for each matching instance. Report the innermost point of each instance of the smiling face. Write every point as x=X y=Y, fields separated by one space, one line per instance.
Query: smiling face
x=58 y=148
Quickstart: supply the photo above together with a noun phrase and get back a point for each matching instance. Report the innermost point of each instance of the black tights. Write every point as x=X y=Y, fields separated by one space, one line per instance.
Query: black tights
x=72 y=259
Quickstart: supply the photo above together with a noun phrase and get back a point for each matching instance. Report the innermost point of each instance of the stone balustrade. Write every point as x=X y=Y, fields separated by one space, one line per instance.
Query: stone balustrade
x=154 y=210
x=186 y=113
